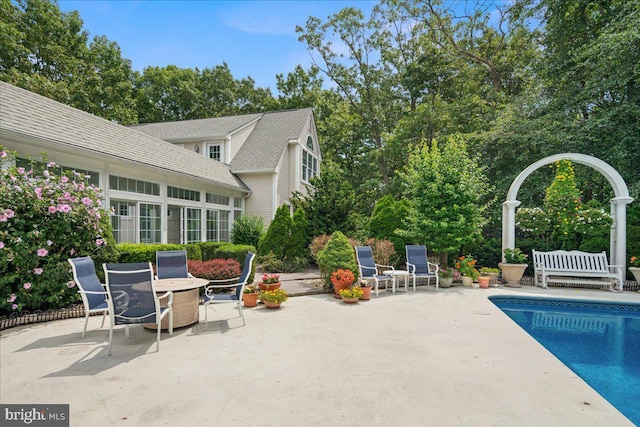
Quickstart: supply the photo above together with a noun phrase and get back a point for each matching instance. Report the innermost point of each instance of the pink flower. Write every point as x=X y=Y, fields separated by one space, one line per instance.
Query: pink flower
x=51 y=164
x=1 y=245
x=52 y=209
x=12 y=298
x=10 y=213
x=37 y=271
x=64 y=208
x=42 y=252
x=21 y=171
x=72 y=251
x=27 y=285
x=3 y=218
x=87 y=201
x=100 y=242
x=14 y=307
x=71 y=284
x=3 y=154
x=64 y=179
x=49 y=243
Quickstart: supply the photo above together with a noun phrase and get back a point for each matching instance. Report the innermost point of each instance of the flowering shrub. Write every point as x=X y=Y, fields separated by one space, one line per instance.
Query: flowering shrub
x=343 y=276
x=45 y=219
x=634 y=261
x=270 y=278
x=466 y=266
x=215 y=269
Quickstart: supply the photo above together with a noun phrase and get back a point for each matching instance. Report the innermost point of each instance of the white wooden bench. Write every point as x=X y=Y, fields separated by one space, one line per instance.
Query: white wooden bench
x=576 y=266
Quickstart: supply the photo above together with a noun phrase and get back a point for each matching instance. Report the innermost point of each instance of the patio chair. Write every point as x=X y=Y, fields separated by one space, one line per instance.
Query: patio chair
x=368 y=269
x=133 y=300
x=94 y=295
x=238 y=289
x=418 y=265
x=171 y=264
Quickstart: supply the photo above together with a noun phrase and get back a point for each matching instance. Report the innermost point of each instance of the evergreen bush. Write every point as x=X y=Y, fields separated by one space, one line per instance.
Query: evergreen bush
x=276 y=239
x=338 y=253
x=247 y=230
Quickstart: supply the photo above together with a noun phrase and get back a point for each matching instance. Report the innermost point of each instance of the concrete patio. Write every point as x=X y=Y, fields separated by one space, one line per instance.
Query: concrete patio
x=445 y=358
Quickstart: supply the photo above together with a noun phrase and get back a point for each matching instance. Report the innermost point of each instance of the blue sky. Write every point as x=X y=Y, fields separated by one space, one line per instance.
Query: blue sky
x=255 y=38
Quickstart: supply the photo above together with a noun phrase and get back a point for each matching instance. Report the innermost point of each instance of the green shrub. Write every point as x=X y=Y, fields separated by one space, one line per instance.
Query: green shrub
x=247 y=230
x=277 y=237
x=208 y=249
x=144 y=252
x=338 y=253
x=387 y=217
x=299 y=239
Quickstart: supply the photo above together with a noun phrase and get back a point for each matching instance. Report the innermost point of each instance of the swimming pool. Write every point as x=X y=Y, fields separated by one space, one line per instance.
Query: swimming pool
x=598 y=340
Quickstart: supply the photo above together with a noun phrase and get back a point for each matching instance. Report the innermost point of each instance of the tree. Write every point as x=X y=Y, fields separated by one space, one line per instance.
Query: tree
x=46 y=51
x=300 y=237
x=277 y=237
x=387 y=217
x=447 y=191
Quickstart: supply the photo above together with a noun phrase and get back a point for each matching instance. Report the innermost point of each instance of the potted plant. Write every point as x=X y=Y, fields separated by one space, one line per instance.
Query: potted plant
x=466 y=267
x=342 y=278
x=446 y=277
x=273 y=298
x=250 y=296
x=490 y=272
x=351 y=294
x=269 y=282
x=634 y=268
x=366 y=290
x=514 y=266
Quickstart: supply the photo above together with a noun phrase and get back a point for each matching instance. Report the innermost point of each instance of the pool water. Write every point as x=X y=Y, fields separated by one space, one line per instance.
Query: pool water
x=599 y=341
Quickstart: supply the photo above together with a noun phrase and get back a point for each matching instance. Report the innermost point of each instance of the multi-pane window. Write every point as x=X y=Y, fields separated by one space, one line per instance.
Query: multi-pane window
x=183 y=194
x=237 y=202
x=215 y=152
x=213 y=225
x=123 y=221
x=193 y=220
x=224 y=226
x=217 y=199
x=150 y=223
x=89 y=177
x=133 y=185
x=309 y=166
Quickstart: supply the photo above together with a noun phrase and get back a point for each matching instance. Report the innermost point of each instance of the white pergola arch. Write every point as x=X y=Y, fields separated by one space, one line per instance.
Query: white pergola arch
x=618 y=248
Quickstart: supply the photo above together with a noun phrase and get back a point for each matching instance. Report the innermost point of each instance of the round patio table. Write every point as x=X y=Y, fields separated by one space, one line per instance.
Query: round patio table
x=186 y=300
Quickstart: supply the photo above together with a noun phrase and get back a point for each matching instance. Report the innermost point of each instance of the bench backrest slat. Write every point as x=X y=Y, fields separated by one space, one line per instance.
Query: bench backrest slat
x=572 y=261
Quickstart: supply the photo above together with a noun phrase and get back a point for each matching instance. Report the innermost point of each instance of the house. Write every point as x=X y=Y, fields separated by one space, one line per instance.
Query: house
x=179 y=182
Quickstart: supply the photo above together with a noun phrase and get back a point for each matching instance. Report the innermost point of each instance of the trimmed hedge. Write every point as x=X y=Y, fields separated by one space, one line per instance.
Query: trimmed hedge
x=202 y=251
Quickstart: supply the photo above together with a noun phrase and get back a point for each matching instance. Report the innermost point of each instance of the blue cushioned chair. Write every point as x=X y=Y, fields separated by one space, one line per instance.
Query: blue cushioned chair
x=133 y=300
x=171 y=264
x=238 y=289
x=368 y=269
x=418 y=265
x=94 y=295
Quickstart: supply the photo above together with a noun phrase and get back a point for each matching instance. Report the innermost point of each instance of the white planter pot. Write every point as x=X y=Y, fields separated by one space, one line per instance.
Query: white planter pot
x=512 y=273
x=636 y=274
x=445 y=282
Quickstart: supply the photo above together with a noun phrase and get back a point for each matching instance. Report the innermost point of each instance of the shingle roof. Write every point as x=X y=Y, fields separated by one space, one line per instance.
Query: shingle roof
x=30 y=115
x=199 y=128
x=268 y=140
x=263 y=148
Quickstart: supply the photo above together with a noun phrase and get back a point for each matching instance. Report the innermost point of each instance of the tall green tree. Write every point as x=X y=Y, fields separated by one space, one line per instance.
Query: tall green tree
x=447 y=190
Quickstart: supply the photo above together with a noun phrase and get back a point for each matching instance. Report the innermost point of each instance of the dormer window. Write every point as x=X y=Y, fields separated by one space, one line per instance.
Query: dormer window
x=216 y=152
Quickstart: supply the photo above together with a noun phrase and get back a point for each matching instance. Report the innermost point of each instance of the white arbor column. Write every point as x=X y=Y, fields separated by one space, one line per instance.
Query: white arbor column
x=618 y=246
x=509 y=225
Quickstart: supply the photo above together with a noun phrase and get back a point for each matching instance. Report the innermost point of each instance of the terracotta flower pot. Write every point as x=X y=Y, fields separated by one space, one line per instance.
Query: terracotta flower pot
x=350 y=300
x=272 y=305
x=269 y=286
x=250 y=300
x=366 y=296
x=483 y=281
x=337 y=286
